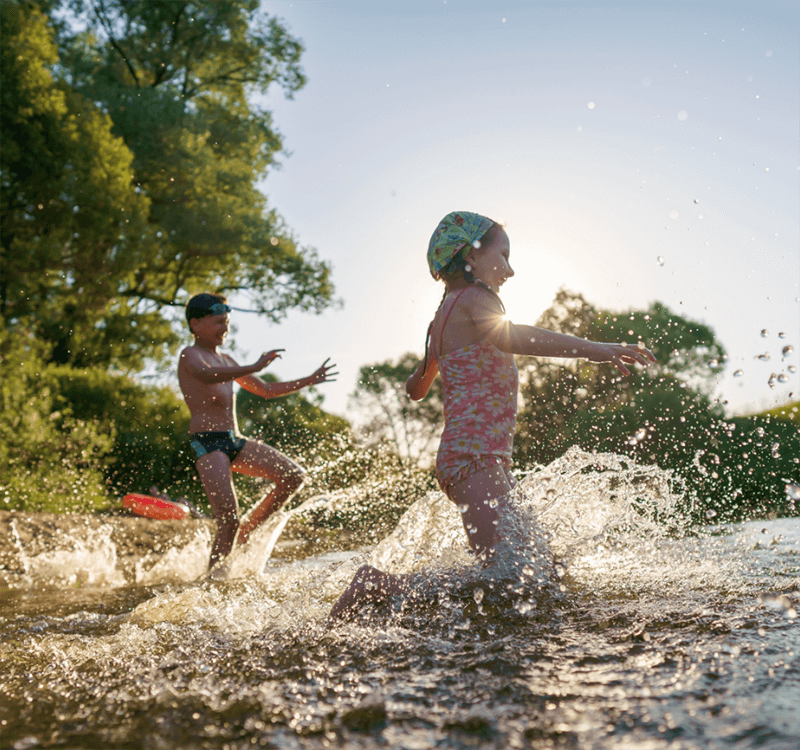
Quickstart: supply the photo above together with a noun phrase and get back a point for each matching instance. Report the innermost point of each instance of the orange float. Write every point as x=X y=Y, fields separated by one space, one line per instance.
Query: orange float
x=154 y=507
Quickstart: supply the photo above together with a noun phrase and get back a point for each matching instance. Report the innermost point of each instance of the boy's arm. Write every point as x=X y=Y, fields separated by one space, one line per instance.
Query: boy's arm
x=539 y=342
x=273 y=390
x=196 y=365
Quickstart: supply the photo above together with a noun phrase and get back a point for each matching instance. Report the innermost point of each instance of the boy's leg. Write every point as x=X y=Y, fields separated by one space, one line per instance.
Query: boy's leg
x=260 y=460
x=215 y=474
x=473 y=496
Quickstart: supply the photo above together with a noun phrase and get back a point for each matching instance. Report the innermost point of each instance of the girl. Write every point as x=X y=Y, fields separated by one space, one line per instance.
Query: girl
x=472 y=345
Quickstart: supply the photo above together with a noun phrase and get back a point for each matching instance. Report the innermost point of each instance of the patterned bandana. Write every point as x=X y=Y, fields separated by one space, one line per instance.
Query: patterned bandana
x=457 y=230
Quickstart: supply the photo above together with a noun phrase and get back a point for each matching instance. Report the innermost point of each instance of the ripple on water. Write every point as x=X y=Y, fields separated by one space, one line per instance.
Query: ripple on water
x=659 y=638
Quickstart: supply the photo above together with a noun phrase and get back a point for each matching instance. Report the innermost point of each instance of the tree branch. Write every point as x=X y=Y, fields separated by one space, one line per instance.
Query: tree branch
x=107 y=25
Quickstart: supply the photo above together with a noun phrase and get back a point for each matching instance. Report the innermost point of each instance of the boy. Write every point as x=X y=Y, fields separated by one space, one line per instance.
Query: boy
x=206 y=378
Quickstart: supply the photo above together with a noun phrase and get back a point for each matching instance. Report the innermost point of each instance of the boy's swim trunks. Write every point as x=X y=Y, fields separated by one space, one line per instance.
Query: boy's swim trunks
x=207 y=442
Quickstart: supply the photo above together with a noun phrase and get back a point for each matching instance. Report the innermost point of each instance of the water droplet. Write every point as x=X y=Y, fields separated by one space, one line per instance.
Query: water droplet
x=793 y=491
x=772 y=380
x=477 y=595
x=550 y=494
x=782 y=335
x=711 y=514
x=660 y=260
x=738 y=373
x=792 y=369
x=763 y=357
x=462 y=509
x=774 y=449
x=764 y=333
x=590 y=105
x=697 y=200
x=787 y=350
x=641 y=433
x=523 y=606
x=713 y=364
x=783 y=378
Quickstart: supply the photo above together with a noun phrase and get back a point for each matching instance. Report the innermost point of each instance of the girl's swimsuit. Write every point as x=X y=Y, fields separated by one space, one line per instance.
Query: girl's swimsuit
x=479 y=385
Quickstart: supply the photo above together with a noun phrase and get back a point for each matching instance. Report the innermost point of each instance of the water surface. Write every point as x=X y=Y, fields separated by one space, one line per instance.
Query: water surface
x=636 y=635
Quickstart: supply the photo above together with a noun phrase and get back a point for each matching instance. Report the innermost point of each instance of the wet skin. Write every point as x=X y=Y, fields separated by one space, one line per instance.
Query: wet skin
x=206 y=377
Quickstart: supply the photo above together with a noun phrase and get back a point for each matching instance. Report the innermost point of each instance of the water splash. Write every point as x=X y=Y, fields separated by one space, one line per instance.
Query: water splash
x=76 y=561
x=178 y=564
x=251 y=559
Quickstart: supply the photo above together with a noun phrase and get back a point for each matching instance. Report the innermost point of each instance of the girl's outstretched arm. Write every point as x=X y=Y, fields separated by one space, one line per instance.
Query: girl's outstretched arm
x=489 y=317
x=539 y=342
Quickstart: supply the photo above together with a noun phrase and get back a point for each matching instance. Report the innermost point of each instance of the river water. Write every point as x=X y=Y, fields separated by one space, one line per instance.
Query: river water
x=607 y=624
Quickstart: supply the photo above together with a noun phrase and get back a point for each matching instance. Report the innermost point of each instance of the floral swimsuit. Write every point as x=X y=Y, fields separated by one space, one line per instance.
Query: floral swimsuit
x=479 y=384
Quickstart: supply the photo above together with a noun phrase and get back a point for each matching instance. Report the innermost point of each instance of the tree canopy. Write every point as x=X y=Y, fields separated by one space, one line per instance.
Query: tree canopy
x=410 y=429
x=133 y=146
x=574 y=402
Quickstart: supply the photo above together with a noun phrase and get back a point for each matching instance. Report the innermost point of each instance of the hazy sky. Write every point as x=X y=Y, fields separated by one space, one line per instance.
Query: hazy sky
x=636 y=151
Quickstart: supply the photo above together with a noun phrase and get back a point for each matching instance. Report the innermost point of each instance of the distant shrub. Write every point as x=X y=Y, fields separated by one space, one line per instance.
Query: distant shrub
x=51 y=459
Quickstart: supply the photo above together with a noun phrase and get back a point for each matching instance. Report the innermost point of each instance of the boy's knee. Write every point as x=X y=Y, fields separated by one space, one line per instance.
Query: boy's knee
x=294 y=480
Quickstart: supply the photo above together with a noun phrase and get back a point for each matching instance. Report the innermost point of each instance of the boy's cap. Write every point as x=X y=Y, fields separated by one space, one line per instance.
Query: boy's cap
x=206 y=304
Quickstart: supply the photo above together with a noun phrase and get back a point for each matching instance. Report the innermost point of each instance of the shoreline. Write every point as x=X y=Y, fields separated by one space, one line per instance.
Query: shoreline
x=121 y=548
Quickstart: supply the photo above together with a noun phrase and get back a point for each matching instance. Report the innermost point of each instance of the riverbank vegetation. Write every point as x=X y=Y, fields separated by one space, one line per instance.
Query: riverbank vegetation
x=132 y=150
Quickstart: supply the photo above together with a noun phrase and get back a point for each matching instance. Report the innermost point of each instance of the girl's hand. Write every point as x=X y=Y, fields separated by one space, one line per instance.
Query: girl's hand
x=622 y=354
x=323 y=374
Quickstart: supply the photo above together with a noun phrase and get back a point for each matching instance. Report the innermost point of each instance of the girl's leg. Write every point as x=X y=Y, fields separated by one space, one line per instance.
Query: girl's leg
x=260 y=460
x=215 y=474
x=477 y=499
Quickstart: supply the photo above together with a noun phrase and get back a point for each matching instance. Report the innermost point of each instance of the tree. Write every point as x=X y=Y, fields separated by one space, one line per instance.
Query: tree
x=69 y=208
x=173 y=83
x=732 y=469
x=295 y=424
x=50 y=458
x=571 y=402
x=411 y=429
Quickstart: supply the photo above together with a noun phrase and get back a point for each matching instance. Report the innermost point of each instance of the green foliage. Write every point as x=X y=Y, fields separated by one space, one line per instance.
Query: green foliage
x=129 y=181
x=732 y=469
x=787 y=412
x=747 y=464
x=373 y=489
x=390 y=419
x=294 y=424
x=71 y=214
x=150 y=427
x=50 y=458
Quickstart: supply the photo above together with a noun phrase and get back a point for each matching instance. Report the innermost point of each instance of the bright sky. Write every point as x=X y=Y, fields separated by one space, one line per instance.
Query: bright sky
x=636 y=151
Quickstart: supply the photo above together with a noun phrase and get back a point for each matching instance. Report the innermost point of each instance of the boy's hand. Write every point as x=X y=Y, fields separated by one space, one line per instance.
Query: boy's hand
x=323 y=374
x=267 y=358
x=622 y=354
